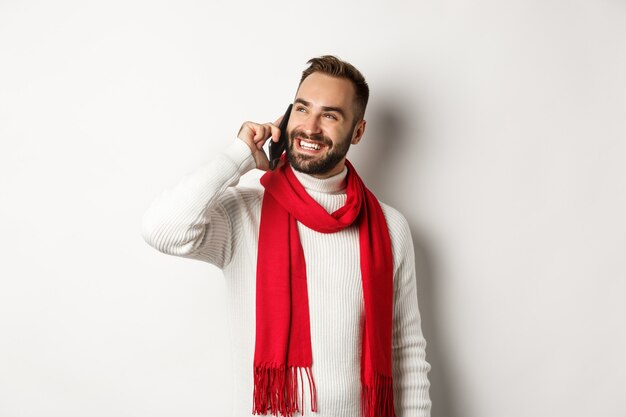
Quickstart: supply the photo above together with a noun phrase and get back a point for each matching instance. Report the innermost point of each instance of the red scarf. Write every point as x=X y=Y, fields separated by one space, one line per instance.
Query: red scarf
x=283 y=336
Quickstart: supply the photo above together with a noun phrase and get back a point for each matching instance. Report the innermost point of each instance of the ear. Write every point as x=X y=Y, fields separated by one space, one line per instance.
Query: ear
x=358 y=132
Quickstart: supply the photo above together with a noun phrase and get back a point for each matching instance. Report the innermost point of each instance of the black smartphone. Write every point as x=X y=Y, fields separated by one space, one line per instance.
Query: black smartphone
x=277 y=148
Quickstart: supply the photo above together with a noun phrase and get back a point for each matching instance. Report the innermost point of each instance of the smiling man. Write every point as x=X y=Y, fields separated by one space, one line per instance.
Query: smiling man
x=320 y=275
x=324 y=109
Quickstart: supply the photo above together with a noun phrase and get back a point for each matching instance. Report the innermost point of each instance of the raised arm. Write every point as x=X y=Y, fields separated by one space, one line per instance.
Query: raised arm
x=190 y=220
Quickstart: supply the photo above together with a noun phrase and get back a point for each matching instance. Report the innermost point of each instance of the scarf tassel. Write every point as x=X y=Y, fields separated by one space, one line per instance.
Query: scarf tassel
x=377 y=398
x=276 y=390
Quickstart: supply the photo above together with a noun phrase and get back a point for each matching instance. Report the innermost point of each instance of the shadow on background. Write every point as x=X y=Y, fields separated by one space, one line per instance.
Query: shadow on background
x=390 y=127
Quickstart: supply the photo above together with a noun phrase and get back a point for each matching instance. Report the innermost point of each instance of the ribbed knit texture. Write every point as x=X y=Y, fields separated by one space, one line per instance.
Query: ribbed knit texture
x=206 y=217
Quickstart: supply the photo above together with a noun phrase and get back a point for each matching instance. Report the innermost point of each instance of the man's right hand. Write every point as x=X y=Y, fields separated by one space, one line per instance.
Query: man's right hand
x=255 y=135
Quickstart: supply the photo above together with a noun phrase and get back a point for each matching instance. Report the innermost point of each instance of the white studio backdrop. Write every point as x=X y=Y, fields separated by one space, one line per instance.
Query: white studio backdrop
x=497 y=128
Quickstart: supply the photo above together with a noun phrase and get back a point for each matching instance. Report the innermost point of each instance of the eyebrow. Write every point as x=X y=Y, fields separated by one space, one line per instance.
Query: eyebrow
x=324 y=108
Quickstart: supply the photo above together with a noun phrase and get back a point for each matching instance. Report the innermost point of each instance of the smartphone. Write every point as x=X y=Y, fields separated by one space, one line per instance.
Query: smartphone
x=277 y=148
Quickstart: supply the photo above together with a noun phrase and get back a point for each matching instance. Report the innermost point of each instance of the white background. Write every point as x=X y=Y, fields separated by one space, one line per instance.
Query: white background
x=497 y=127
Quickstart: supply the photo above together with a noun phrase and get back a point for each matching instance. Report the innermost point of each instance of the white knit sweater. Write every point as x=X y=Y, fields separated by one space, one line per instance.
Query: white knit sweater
x=209 y=218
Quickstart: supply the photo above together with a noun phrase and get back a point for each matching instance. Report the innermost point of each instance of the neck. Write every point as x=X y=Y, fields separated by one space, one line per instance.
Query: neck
x=331 y=185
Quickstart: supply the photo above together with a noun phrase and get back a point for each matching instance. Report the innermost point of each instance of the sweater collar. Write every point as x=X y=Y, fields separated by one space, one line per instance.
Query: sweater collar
x=332 y=185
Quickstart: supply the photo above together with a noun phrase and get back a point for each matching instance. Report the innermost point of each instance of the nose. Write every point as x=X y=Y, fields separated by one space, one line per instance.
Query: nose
x=312 y=125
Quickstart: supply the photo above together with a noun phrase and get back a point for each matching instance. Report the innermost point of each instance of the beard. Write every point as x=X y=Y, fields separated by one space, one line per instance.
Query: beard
x=312 y=164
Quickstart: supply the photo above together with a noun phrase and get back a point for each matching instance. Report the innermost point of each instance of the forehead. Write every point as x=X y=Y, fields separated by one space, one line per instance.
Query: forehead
x=323 y=90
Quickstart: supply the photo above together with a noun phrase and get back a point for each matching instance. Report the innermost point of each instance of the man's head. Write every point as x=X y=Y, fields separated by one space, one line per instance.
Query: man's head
x=337 y=68
x=327 y=116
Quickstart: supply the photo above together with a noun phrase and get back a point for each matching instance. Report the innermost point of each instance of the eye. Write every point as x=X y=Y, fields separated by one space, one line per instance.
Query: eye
x=330 y=116
x=301 y=109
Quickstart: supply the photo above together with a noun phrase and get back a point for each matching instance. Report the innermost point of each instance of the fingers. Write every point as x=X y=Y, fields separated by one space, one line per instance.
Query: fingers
x=256 y=134
x=264 y=132
x=276 y=130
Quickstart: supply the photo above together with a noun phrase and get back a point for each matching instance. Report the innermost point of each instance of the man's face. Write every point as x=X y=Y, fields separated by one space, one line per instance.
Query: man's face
x=322 y=126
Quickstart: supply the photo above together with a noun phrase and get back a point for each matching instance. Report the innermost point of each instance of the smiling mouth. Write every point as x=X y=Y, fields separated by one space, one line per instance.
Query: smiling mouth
x=309 y=146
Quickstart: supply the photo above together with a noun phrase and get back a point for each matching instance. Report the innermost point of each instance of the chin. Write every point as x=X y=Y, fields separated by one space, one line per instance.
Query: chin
x=316 y=168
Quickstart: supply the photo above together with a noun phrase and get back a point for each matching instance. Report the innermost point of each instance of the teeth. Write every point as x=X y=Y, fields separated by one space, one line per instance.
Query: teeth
x=309 y=145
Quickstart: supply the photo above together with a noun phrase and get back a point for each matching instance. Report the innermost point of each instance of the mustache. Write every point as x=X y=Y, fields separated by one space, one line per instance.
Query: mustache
x=313 y=138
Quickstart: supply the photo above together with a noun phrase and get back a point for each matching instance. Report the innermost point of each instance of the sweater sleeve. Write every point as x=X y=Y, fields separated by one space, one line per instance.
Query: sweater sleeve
x=189 y=219
x=410 y=369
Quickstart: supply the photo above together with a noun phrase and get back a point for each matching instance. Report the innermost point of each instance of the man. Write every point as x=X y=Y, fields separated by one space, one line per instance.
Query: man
x=320 y=276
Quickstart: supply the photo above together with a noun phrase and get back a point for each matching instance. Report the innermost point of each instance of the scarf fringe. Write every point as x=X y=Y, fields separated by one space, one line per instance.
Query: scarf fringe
x=276 y=390
x=377 y=399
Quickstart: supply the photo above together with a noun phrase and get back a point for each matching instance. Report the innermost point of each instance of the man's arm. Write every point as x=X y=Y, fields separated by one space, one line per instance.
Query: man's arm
x=190 y=219
x=410 y=369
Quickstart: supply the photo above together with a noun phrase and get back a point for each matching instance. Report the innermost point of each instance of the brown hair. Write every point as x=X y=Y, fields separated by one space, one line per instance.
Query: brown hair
x=333 y=66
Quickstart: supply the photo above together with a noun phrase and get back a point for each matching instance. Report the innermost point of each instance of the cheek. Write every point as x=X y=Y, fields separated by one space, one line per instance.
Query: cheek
x=336 y=130
x=296 y=119
x=340 y=133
